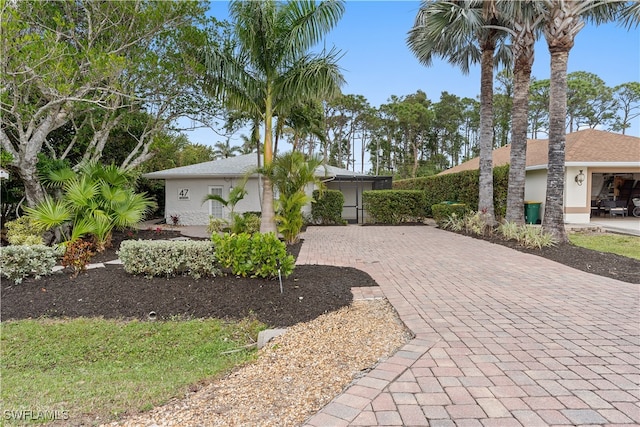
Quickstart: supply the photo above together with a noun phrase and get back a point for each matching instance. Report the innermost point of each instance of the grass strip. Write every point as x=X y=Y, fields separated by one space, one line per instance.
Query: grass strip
x=620 y=244
x=97 y=369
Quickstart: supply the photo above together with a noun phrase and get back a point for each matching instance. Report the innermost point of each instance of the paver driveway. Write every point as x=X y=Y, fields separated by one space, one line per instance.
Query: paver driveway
x=502 y=338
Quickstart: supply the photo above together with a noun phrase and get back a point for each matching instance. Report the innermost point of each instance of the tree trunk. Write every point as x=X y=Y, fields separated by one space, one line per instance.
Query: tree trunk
x=268 y=219
x=485 y=195
x=518 y=162
x=33 y=191
x=553 y=221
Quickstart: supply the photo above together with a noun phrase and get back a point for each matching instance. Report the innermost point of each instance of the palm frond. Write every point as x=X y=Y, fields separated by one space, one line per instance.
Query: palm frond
x=49 y=214
x=79 y=192
x=82 y=227
x=131 y=211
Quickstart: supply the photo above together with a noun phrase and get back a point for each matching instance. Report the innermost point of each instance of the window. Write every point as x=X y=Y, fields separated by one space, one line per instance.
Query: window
x=215 y=207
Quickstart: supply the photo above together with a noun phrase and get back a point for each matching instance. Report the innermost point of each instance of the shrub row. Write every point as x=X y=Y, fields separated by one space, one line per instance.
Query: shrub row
x=257 y=255
x=326 y=208
x=254 y=255
x=394 y=206
x=461 y=187
x=168 y=258
x=20 y=261
x=442 y=211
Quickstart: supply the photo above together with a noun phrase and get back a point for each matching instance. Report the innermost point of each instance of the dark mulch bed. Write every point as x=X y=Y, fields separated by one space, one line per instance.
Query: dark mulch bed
x=600 y=263
x=111 y=293
x=309 y=292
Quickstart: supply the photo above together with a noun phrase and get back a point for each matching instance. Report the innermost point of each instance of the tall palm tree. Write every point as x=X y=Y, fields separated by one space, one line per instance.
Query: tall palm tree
x=463 y=32
x=266 y=67
x=523 y=19
x=563 y=20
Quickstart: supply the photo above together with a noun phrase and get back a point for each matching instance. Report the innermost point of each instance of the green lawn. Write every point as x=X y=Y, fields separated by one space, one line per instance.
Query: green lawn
x=106 y=368
x=628 y=246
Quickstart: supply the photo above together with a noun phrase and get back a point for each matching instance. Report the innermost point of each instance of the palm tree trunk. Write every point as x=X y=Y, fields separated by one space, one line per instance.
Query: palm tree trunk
x=485 y=195
x=553 y=221
x=268 y=217
x=518 y=162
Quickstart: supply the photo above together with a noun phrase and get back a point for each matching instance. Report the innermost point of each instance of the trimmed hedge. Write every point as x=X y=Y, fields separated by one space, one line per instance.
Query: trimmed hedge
x=255 y=255
x=442 y=211
x=168 y=258
x=326 y=208
x=20 y=261
x=461 y=186
x=394 y=206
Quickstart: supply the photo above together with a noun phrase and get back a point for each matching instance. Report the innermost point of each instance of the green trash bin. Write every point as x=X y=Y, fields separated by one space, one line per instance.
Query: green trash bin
x=532 y=212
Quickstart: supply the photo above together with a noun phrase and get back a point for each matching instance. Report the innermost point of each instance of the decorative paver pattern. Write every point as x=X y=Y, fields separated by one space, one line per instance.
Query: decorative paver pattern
x=502 y=338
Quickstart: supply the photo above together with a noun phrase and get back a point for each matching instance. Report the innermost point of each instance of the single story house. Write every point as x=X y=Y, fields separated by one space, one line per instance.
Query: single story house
x=600 y=167
x=187 y=186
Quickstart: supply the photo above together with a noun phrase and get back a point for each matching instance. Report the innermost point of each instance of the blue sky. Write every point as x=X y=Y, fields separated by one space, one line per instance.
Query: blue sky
x=376 y=62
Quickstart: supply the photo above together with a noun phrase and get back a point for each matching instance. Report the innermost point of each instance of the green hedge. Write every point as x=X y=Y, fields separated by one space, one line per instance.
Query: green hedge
x=394 y=206
x=168 y=258
x=442 y=211
x=326 y=207
x=461 y=187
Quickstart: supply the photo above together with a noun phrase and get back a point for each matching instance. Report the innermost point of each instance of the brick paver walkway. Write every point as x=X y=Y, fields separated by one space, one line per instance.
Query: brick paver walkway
x=502 y=338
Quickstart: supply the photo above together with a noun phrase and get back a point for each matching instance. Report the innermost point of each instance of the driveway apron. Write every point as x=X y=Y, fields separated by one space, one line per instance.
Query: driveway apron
x=502 y=338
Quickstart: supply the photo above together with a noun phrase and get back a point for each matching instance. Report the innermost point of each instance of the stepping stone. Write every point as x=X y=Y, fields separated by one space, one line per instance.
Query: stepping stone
x=114 y=262
x=97 y=265
x=181 y=238
x=267 y=335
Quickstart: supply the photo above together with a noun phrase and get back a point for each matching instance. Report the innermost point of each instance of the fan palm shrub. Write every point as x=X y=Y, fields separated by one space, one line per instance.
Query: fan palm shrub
x=92 y=202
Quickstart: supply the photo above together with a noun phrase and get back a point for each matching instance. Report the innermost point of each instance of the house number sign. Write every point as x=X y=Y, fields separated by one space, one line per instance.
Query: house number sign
x=184 y=194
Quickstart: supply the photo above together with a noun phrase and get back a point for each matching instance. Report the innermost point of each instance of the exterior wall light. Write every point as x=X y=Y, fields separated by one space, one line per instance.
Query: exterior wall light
x=580 y=178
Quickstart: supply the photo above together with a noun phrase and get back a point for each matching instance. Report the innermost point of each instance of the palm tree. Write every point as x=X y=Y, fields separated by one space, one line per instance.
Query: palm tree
x=464 y=32
x=93 y=202
x=291 y=173
x=224 y=150
x=266 y=67
x=523 y=18
x=562 y=22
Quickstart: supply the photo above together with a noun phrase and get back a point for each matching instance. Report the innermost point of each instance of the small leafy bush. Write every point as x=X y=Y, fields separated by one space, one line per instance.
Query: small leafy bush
x=23 y=231
x=442 y=211
x=394 y=206
x=20 y=261
x=289 y=217
x=257 y=255
x=527 y=235
x=326 y=208
x=471 y=222
x=453 y=222
x=168 y=258
x=77 y=256
x=217 y=225
x=509 y=230
x=248 y=223
x=475 y=223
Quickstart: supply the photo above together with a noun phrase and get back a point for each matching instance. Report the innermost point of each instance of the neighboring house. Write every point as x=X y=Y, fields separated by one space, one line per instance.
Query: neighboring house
x=599 y=166
x=186 y=187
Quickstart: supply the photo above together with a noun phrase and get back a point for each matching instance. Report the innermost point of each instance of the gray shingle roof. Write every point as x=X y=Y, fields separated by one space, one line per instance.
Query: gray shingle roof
x=237 y=166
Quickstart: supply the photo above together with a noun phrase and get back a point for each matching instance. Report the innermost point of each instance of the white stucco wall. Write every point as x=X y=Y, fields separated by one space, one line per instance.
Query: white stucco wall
x=576 y=197
x=535 y=189
x=190 y=208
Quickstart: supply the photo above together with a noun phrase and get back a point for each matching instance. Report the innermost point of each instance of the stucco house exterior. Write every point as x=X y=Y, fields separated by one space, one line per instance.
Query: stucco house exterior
x=187 y=186
x=599 y=166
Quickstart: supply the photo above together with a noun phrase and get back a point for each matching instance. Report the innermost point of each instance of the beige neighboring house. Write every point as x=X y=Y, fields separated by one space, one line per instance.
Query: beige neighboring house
x=600 y=167
x=186 y=187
